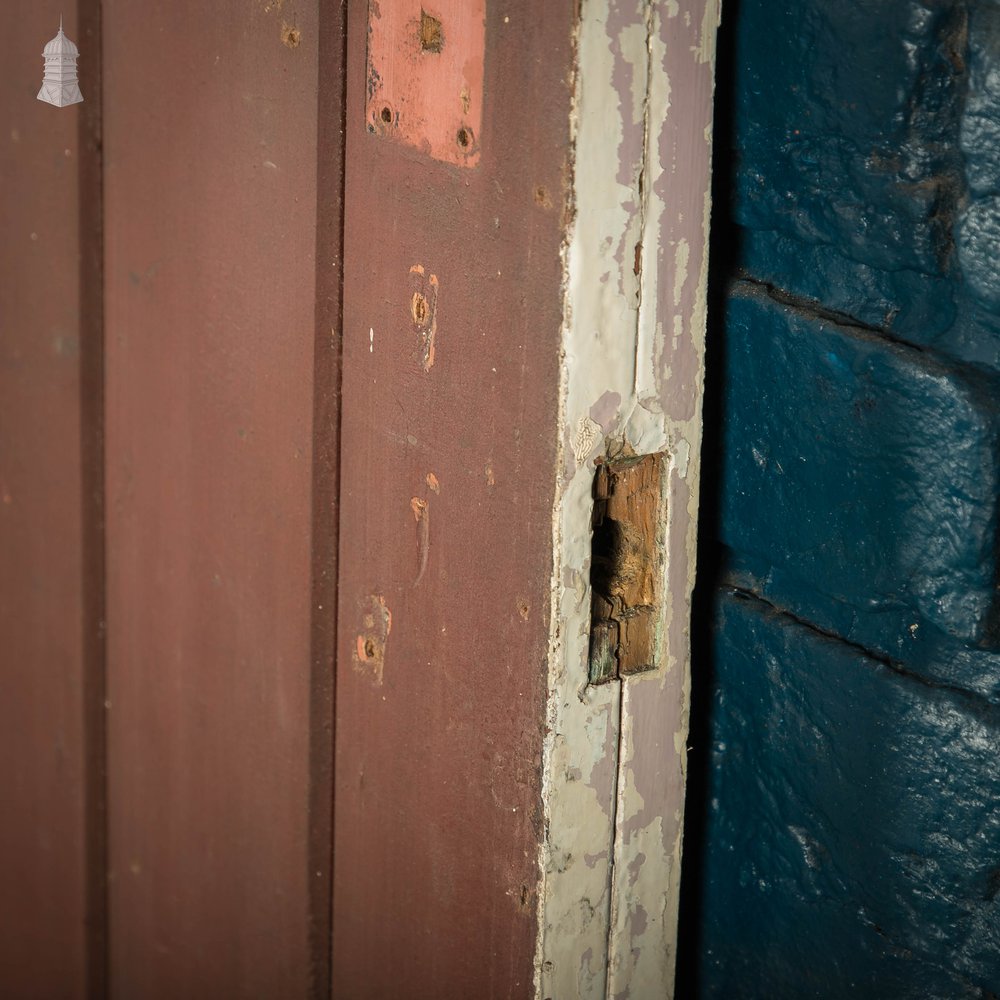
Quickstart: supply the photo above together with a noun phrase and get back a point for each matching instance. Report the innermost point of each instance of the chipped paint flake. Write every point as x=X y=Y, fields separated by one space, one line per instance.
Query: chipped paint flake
x=588 y=436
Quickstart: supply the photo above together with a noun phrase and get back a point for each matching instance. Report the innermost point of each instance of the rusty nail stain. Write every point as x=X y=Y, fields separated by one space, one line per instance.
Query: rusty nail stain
x=423 y=312
x=418 y=307
x=291 y=36
x=432 y=483
x=369 y=651
x=431 y=38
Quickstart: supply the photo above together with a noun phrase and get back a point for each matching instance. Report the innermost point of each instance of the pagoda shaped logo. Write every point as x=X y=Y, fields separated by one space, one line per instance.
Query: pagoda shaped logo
x=60 y=86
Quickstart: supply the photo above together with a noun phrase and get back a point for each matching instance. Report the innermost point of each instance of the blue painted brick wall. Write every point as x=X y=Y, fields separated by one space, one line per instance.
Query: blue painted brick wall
x=855 y=823
x=864 y=469
x=852 y=801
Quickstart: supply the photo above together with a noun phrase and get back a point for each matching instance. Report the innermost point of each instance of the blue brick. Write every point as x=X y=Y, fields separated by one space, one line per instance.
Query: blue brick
x=848 y=176
x=907 y=304
x=859 y=469
x=980 y=128
x=853 y=839
x=847 y=126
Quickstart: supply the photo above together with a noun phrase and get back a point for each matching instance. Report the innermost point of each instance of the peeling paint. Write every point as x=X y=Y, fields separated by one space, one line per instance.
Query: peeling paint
x=633 y=337
x=605 y=410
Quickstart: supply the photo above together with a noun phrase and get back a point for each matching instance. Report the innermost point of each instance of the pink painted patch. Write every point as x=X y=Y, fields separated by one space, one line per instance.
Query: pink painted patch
x=425 y=75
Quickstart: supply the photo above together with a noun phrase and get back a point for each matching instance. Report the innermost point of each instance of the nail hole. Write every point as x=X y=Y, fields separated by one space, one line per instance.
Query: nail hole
x=464 y=138
x=369 y=649
x=386 y=115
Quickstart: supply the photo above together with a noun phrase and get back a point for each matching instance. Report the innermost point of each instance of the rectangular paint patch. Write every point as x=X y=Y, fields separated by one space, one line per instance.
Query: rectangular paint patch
x=425 y=75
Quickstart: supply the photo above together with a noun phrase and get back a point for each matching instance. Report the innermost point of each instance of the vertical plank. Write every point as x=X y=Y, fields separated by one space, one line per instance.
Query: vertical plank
x=452 y=313
x=46 y=638
x=211 y=153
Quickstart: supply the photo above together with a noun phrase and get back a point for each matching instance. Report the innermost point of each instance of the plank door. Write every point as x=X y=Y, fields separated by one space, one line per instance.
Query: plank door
x=318 y=321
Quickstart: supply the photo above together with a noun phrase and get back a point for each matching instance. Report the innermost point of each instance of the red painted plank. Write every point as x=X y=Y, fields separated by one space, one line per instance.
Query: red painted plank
x=211 y=166
x=447 y=486
x=45 y=339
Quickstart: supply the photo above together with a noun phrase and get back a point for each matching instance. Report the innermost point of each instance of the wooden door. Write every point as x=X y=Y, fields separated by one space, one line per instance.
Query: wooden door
x=302 y=701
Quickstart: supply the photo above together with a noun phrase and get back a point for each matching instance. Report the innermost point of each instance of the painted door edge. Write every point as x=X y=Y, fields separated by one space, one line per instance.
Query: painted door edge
x=635 y=290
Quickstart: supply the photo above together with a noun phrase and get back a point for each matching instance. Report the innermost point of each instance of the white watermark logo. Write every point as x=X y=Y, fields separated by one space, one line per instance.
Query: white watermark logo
x=60 y=86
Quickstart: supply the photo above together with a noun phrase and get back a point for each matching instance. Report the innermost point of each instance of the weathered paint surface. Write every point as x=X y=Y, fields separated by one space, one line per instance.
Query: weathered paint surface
x=452 y=318
x=633 y=342
x=424 y=82
x=211 y=181
x=49 y=218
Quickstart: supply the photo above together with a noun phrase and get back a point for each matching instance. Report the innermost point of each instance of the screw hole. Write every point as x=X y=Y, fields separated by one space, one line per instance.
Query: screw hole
x=386 y=115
